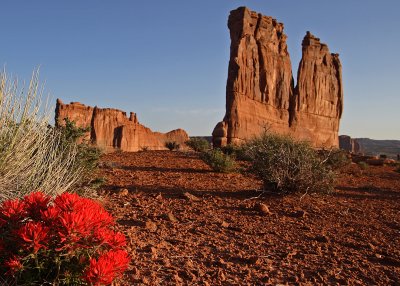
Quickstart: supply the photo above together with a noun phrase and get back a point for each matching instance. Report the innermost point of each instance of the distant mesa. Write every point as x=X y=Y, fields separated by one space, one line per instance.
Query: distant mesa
x=370 y=147
x=349 y=144
x=111 y=129
x=260 y=91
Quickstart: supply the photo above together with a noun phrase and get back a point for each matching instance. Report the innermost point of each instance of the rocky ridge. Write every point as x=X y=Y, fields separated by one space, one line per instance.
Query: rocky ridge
x=111 y=129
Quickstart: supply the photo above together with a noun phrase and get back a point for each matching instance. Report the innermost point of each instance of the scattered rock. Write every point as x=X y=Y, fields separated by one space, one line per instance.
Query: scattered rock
x=225 y=224
x=322 y=238
x=151 y=226
x=159 y=197
x=171 y=217
x=123 y=192
x=191 y=197
x=298 y=214
x=263 y=209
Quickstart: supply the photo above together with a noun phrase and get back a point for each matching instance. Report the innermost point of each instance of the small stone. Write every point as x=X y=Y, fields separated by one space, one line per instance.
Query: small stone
x=377 y=255
x=322 y=238
x=298 y=214
x=171 y=217
x=177 y=278
x=254 y=260
x=263 y=209
x=191 y=197
x=123 y=192
x=225 y=224
x=151 y=226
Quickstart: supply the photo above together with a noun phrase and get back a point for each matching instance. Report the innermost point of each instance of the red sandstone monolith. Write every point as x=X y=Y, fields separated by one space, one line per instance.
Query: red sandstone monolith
x=260 y=92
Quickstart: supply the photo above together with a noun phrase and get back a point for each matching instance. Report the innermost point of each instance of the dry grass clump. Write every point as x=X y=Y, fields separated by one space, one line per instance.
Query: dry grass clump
x=33 y=155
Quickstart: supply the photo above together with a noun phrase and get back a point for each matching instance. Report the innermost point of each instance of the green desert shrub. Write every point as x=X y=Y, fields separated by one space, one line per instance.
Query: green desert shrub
x=198 y=144
x=87 y=155
x=218 y=161
x=172 y=145
x=335 y=158
x=33 y=155
x=363 y=165
x=287 y=166
x=237 y=151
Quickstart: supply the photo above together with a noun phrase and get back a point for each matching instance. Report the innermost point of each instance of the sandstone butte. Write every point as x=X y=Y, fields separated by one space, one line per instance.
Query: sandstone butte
x=111 y=129
x=349 y=144
x=260 y=91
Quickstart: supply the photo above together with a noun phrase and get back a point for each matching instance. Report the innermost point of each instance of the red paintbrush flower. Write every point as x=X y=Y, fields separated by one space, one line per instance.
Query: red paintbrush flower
x=118 y=240
x=67 y=202
x=100 y=272
x=109 y=266
x=13 y=265
x=33 y=234
x=13 y=210
x=50 y=214
x=36 y=202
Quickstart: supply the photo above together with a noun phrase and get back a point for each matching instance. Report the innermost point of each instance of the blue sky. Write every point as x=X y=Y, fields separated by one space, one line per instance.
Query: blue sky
x=167 y=60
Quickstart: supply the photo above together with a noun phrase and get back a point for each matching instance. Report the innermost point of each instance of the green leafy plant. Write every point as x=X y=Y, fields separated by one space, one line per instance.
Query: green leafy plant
x=198 y=144
x=218 y=161
x=69 y=241
x=87 y=155
x=172 y=145
x=363 y=165
x=33 y=155
x=335 y=158
x=287 y=166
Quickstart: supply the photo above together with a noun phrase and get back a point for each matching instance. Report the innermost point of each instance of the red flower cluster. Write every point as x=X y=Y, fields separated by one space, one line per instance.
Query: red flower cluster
x=104 y=270
x=71 y=236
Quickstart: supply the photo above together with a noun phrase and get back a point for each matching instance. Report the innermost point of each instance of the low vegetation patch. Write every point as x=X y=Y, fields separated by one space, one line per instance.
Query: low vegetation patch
x=218 y=161
x=198 y=144
x=287 y=166
x=363 y=165
x=172 y=145
x=335 y=158
x=87 y=157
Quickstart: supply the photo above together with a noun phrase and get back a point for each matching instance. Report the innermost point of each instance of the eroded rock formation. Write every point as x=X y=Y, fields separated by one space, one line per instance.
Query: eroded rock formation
x=260 y=92
x=111 y=129
x=349 y=144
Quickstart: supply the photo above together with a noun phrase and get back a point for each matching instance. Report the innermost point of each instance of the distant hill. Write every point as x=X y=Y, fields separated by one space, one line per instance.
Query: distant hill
x=376 y=147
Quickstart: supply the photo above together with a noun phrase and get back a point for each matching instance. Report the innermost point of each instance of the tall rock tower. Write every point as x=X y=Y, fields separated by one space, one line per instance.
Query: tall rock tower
x=260 y=93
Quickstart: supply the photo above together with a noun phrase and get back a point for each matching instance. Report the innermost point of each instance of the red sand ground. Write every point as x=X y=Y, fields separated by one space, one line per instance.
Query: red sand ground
x=218 y=236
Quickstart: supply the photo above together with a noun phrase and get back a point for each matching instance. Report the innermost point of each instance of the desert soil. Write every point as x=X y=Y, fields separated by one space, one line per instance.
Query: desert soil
x=187 y=225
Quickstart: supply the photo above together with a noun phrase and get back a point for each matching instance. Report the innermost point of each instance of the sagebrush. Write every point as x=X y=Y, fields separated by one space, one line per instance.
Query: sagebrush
x=218 y=161
x=198 y=144
x=285 y=165
x=33 y=155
